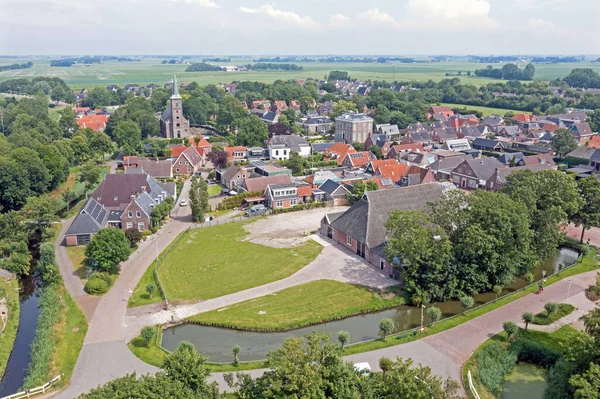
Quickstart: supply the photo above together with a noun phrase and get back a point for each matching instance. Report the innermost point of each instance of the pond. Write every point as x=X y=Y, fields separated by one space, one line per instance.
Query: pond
x=526 y=381
x=18 y=362
x=216 y=343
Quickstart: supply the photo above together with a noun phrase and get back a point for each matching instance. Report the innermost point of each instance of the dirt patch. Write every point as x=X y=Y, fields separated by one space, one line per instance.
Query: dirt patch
x=287 y=229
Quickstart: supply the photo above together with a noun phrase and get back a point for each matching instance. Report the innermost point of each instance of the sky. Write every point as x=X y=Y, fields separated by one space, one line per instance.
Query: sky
x=256 y=27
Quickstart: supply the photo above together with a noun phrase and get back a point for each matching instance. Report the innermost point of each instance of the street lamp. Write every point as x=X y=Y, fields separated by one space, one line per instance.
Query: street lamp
x=569 y=290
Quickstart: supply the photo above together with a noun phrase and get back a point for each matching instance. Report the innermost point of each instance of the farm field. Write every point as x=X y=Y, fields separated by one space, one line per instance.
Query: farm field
x=485 y=110
x=152 y=71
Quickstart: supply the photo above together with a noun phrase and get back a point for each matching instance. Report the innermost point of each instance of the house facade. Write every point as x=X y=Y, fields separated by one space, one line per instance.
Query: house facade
x=474 y=173
x=353 y=127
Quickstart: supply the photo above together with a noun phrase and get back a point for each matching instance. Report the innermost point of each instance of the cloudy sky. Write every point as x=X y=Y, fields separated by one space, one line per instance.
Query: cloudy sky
x=300 y=27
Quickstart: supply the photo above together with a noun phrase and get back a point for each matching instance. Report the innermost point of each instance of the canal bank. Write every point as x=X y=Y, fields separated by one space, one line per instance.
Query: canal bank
x=216 y=343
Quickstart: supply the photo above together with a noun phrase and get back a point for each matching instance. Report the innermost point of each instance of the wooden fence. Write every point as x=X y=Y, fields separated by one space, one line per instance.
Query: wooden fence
x=33 y=391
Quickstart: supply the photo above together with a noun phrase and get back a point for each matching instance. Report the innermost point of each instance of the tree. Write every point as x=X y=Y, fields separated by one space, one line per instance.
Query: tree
x=203 y=191
x=528 y=317
x=587 y=384
x=15 y=186
x=588 y=214
x=46 y=265
x=423 y=251
x=434 y=314
x=41 y=210
x=100 y=144
x=134 y=235
x=386 y=327
x=68 y=196
x=151 y=289
x=196 y=201
x=15 y=257
x=550 y=308
x=107 y=249
x=594 y=120
x=343 y=338
x=158 y=386
x=230 y=110
x=89 y=174
x=338 y=75
x=466 y=302
x=510 y=328
x=295 y=163
x=376 y=151
x=218 y=157
x=198 y=110
x=128 y=136
x=342 y=106
x=385 y=364
x=359 y=188
x=358 y=146
x=498 y=290
x=148 y=334
x=236 y=352
x=68 y=121
x=563 y=142
x=252 y=132
x=186 y=365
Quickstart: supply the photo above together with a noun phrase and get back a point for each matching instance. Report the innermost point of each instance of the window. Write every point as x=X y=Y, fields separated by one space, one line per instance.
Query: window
x=116 y=198
x=381 y=264
x=138 y=214
x=129 y=225
x=130 y=214
x=284 y=152
x=186 y=162
x=180 y=163
x=276 y=152
x=177 y=170
x=141 y=226
x=189 y=170
x=293 y=202
x=349 y=240
x=279 y=204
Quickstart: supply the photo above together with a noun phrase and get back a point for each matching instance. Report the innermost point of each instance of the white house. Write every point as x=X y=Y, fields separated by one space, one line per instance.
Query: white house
x=280 y=146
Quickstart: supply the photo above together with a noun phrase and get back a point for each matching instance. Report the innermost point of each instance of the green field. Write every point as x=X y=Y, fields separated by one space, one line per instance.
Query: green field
x=9 y=289
x=152 y=71
x=485 y=110
x=314 y=302
x=215 y=261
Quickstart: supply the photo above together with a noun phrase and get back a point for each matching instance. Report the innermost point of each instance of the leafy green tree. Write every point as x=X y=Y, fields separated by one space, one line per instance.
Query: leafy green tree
x=196 y=201
x=128 y=136
x=528 y=317
x=107 y=249
x=376 y=151
x=497 y=290
x=68 y=196
x=587 y=384
x=343 y=338
x=338 y=75
x=134 y=235
x=41 y=210
x=296 y=163
x=203 y=194
x=67 y=122
x=563 y=142
x=100 y=144
x=342 y=106
x=187 y=366
x=510 y=329
x=588 y=214
x=252 y=132
x=148 y=334
x=90 y=175
x=386 y=327
x=385 y=364
x=230 y=110
x=550 y=308
x=46 y=265
x=15 y=186
x=15 y=257
x=423 y=251
x=594 y=120
x=151 y=289
x=382 y=114
x=434 y=314
x=198 y=110
x=236 y=352
x=358 y=146
x=35 y=170
x=466 y=302
x=358 y=190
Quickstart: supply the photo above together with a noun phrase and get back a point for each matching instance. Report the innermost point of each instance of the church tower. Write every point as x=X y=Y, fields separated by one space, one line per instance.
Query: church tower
x=172 y=122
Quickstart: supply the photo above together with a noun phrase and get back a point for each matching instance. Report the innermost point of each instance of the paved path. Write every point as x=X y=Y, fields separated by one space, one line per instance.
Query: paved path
x=333 y=263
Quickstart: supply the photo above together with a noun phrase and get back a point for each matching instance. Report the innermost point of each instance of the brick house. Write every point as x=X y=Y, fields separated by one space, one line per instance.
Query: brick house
x=282 y=196
x=353 y=127
x=238 y=153
x=188 y=161
x=357 y=159
x=361 y=229
x=474 y=173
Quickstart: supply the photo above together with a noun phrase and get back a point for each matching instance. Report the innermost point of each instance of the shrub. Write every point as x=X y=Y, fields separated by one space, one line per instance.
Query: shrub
x=561 y=310
x=494 y=362
x=550 y=308
x=133 y=235
x=467 y=302
x=96 y=286
x=533 y=352
x=386 y=326
x=148 y=333
x=510 y=328
x=237 y=200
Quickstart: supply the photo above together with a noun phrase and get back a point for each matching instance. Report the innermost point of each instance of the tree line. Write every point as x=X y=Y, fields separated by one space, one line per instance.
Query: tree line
x=56 y=88
x=14 y=66
x=508 y=72
x=270 y=66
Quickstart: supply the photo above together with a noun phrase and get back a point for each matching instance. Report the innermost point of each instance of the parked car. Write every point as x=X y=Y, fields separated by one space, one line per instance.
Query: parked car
x=183 y=202
x=232 y=193
x=225 y=191
x=255 y=210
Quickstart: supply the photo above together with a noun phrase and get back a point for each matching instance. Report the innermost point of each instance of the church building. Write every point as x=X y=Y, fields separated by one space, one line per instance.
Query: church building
x=172 y=122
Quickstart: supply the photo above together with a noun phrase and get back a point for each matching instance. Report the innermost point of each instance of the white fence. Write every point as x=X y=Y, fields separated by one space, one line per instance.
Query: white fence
x=33 y=391
x=471 y=386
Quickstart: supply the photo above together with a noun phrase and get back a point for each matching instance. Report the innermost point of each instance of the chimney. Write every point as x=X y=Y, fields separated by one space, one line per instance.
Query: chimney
x=143 y=189
x=132 y=197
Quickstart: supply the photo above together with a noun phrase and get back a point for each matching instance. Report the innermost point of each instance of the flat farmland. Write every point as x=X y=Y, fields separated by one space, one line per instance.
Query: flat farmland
x=152 y=71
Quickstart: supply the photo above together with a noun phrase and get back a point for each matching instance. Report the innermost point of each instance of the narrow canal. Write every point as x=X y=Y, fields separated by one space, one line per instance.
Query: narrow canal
x=18 y=362
x=216 y=343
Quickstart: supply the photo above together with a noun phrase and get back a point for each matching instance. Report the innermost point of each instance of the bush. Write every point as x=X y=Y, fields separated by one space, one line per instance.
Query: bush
x=533 y=352
x=561 y=310
x=301 y=207
x=134 y=236
x=494 y=362
x=96 y=286
x=237 y=200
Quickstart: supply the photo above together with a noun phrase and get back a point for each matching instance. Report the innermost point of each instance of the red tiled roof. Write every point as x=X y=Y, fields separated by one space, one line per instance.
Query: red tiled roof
x=231 y=150
x=594 y=142
x=379 y=163
x=304 y=191
x=339 y=149
x=393 y=172
x=94 y=122
x=523 y=117
x=359 y=158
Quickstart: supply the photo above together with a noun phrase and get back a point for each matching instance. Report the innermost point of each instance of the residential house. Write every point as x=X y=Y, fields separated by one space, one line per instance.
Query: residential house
x=509 y=131
x=335 y=193
x=498 y=179
x=545 y=159
x=321 y=176
x=394 y=172
x=416 y=175
x=325 y=108
x=159 y=169
x=582 y=131
x=188 y=161
x=416 y=158
x=389 y=130
x=378 y=140
x=437 y=110
x=488 y=145
x=261 y=104
x=254 y=184
x=457 y=145
x=523 y=117
x=442 y=168
x=400 y=149
x=595 y=161
x=122 y=201
x=263 y=169
x=321 y=147
x=282 y=196
x=473 y=132
x=509 y=158
x=441 y=135
x=361 y=229
x=443 y=154
x=583 y=153
x=474 y=173
x=337 y=152
x=280 y=146
x=228 y=176
x=270 y=117
x=594 y=142
x=494 y=122
x=95 y=122
x=237 y=153
x=357 y=159
x=353 y=127
x=420 y=137
x=279 y=105
x=318 y=125
x=528 y=146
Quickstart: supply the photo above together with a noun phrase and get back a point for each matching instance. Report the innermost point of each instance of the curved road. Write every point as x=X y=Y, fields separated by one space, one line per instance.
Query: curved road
x=105 y=354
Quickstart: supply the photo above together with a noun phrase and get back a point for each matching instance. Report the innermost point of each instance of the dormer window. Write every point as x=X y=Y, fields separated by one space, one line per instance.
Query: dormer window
x=116 y=198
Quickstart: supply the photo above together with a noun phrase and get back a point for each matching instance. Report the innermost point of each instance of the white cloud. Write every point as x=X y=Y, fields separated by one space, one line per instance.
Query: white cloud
x=537 y=3
x=450 y=14
x=379 y=18
x=282 y=16
x=202 y=3
x=339 y=20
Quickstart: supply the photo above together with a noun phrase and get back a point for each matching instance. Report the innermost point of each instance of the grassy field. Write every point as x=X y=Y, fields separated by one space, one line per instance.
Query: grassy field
x=9 y=289
x=485 y=110
x=304 y=304
x=69 y=335
x=152 y=71
x=77 y=256
x=78 y=189
x=555 y=340
x=214 y=261
x=214 y=189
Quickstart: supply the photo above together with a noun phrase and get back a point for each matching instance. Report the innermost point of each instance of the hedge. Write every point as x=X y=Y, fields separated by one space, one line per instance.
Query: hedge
x=237 y=200
x=301 y=207
x=533 y=352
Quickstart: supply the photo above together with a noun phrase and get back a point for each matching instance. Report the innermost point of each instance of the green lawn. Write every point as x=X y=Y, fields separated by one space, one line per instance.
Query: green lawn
x=9 y=289
x=215 y=261
x=69 y=335
x=485 y=110
x=562 y=310
x=304 y=304
x=140 y=295
x=77 y=256
x=214 y=189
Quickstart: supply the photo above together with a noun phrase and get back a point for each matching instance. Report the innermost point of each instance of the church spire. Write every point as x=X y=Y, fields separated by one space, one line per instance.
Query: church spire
x=175 y=88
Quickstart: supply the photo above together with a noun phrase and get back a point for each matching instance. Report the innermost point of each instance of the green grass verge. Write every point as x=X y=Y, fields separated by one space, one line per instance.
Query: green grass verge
x=69 y=334
x=562 y=310
x=301 y=305
x=9 y=289
x=555 y=340
x=215 y=261
x=140 y=295
x=214 y=189
x=77 y=256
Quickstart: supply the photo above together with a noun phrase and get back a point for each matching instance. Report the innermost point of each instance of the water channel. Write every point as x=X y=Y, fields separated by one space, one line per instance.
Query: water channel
x=216 y=343
x=18 y=362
